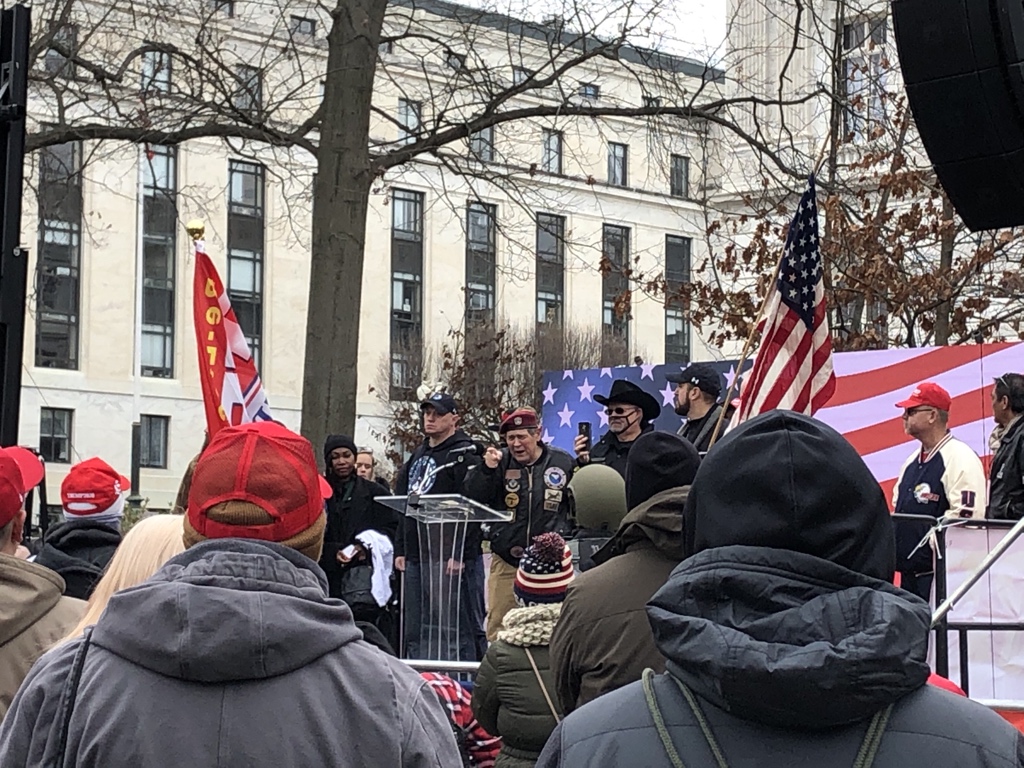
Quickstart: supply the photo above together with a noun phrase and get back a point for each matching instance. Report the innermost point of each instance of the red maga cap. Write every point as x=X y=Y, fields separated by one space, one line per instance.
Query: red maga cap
x=20 y=470
x=263 y=463
x=91 y=487
x=928 y=393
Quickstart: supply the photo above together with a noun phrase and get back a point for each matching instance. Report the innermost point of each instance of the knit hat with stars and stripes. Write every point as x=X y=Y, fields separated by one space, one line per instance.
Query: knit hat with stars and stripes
x=545 y=571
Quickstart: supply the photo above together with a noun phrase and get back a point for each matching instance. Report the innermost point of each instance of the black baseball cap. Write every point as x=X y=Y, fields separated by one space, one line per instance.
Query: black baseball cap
x=702 y=376
x=441 y=402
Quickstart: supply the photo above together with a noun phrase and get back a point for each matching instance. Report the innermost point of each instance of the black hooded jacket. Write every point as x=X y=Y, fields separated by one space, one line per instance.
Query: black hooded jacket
x=425 y=459
x=785 y=625
x=78 y=551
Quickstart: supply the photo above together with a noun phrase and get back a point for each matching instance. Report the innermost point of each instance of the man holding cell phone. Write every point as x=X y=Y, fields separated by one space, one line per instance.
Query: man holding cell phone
x=631 y=412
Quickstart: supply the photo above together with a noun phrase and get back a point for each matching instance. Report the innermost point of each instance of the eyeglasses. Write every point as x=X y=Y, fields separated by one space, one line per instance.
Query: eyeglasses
x=920 y=409
x=620 y=411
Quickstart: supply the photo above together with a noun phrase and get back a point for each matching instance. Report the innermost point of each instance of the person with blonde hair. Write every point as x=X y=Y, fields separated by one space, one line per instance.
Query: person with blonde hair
x=148 y=545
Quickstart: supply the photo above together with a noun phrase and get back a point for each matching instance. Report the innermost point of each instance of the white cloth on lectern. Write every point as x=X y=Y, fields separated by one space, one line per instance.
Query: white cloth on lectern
x=383 y=553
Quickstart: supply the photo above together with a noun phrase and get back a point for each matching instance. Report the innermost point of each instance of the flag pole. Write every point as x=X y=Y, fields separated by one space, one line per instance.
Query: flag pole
x=744 y=355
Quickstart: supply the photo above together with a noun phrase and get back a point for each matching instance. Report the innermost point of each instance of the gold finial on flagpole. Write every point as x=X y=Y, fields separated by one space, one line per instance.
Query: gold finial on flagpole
x=196 y=228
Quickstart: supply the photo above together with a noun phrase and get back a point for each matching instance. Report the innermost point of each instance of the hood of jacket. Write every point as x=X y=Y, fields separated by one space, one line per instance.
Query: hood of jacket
x=788 y=639
x=657 y=524
x=457 y=440
x=227 y=610
x=788 y=481
x=30 y=592
x=79 y=544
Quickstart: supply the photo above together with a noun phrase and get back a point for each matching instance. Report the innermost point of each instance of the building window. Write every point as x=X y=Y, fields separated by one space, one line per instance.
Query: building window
x=55 y=437
x=481 y=257
x=589 y=91
x=159 y=242
x=550 y=270
x=456 y=61
x=223 y=7
x=481 y=144
x=652 y=102
x=248 y=96
x=156 y=72
x=865 y=74
x=520 y=75
x=406 y=292
x=385 y=47
x=245 y=250
x=615 y=292
x=300 y=26
x=552 y=159
x=410 y=120
x=677 y=276
x=155 y=430
x=618 y=164
x=60 y=241
x=679 y=177
x=56 y=63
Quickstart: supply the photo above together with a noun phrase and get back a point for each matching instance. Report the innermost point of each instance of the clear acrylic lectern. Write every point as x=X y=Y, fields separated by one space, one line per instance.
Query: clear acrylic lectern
x=430 y=629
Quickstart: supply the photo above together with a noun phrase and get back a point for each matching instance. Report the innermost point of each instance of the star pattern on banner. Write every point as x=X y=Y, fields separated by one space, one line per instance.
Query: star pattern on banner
x=586 y=389
x=565 y=416
x=668 y=396
x=567 y=403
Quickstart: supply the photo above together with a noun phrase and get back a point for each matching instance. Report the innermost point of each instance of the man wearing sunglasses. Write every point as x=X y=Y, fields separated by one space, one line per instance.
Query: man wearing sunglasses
x=943 y=478
x=1006 y=494
x=630 y=413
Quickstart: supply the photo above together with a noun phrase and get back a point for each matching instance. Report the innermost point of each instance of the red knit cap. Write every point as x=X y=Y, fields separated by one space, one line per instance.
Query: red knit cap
x=545 y=571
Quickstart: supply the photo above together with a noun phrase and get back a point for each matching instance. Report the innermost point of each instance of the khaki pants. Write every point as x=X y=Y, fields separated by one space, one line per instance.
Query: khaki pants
x=500 y=597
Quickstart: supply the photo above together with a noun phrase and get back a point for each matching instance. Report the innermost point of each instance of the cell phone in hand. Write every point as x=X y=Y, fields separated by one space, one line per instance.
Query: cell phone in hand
x=348 y=553
x=585 y=431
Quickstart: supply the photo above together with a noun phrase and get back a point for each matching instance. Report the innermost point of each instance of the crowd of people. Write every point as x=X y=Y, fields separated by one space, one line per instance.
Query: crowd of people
x=652 y=600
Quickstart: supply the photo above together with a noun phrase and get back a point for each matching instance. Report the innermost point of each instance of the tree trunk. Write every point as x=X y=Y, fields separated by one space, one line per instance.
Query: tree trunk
x=942 y=312
x=340 y=203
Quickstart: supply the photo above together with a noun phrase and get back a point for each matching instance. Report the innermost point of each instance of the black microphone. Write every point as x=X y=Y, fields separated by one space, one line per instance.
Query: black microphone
x=476 y=449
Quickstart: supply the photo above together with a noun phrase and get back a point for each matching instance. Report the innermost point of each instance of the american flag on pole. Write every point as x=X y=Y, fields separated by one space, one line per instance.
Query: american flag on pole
x=793 y=368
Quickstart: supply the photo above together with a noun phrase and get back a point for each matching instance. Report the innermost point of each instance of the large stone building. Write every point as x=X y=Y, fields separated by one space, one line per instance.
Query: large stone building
x=109 y=335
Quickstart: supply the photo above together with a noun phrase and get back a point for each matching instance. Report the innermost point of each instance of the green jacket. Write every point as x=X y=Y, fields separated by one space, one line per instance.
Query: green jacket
x=507 y=699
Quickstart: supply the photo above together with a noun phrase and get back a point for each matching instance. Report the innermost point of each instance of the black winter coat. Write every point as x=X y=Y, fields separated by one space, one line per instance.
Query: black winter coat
x=535 y=493
x=78 y=550
x=608 y=450
x=789 y=657
x=447 y=481
x=348 y=514
x=1006 y=489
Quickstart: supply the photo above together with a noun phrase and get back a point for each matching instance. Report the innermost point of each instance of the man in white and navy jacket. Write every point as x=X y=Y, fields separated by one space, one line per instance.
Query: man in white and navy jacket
x=944 y=478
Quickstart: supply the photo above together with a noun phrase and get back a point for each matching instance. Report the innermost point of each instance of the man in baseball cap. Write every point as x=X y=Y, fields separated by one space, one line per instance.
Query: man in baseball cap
x=234 y=642
x=698 y=388
x=942 y=477
x=35 y=614
x=92 y=497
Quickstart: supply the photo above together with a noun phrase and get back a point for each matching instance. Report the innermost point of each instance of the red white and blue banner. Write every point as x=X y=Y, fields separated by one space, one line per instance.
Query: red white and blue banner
x=232 y=390
x=862 y=408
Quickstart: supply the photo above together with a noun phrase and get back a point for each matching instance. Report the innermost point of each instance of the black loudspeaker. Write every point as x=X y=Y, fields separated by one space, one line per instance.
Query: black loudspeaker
x=963 y=66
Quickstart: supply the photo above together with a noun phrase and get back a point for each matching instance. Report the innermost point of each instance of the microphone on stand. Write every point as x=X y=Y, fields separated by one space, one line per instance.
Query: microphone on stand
x=476 y=449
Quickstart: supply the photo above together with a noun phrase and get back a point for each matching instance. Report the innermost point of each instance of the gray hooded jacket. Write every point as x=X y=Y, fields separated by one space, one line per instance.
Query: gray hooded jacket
x=231 y=655
x=791 y=647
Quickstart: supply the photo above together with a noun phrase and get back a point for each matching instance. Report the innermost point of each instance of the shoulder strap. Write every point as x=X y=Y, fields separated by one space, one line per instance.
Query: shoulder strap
x=708 y=425
x=543 y=688
x=67 y=702
x=865 y=755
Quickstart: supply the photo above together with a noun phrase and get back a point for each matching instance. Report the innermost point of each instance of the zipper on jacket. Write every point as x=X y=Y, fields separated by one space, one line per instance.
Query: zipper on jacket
x=529 y=507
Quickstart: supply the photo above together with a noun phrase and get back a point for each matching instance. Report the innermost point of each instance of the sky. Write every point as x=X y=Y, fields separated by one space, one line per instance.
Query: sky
x=694 y=28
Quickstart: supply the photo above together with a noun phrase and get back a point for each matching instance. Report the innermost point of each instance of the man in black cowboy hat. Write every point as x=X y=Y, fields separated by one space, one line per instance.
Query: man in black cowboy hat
x=630 y=412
